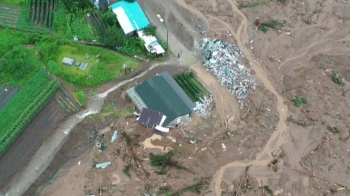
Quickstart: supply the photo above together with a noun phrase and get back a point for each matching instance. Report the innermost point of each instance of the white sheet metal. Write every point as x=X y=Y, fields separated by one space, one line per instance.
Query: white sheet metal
x=163 y=119
x=124 y=20
x=162 y=129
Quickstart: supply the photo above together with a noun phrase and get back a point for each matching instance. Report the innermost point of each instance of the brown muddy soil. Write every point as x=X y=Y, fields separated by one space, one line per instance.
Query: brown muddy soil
x=309 y=157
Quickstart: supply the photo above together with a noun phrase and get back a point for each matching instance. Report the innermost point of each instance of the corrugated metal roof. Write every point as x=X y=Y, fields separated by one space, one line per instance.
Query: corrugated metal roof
x=135 y=16
x=178 y=89
x=158 y=94
x=123 y=20
x=150 y=118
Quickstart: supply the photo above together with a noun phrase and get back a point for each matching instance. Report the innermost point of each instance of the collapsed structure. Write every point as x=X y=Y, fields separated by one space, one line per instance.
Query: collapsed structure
x=161 y=94
x=221 y=58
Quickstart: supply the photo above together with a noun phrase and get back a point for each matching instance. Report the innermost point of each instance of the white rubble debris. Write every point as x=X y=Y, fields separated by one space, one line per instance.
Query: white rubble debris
x=221 y=58
x=203 y=108
x=223 y=147
x=193 y=141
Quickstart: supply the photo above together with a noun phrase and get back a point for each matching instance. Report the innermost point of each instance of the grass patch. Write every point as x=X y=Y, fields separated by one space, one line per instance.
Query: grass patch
x=299 y=101
x=268 y=190
x=126 y=171
x=18 y=3
x=107 y=111
x=18 y=65
x=80 y=95
x=333 y=130
x=110 y=65
x=274 y=24
x=336 y=79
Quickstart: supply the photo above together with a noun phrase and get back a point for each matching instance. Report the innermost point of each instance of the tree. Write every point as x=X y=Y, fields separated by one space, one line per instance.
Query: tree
x=114 y=38
x=109 y=18
x=76 y=5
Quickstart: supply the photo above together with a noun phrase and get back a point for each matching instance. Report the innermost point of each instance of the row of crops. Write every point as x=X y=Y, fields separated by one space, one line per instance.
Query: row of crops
x=9 y=15
x=6 y=93
x=30 y=139
x=22 y=108
x=190 y=85
x=42 y=11
x=66 y=103
x=97 y=22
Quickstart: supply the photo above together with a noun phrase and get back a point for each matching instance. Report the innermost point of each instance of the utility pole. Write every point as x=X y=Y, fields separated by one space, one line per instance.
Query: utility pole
x=167 y=39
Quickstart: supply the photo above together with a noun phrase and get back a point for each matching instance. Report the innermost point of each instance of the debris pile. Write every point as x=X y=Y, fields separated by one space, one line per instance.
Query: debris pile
x=221 y=58
x=203 y=108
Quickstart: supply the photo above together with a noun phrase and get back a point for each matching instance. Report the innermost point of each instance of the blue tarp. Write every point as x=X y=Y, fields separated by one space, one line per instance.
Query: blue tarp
x=134 y=13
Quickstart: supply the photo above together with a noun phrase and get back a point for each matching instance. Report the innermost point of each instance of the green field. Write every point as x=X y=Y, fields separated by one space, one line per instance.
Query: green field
x=190 y=85
x=20 y=3
x=23 y=107
x=109 y=67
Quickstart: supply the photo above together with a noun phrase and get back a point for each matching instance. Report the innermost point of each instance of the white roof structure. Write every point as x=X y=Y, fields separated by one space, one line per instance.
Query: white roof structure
x=123 y=20
x=67 y=61
x=151 y=43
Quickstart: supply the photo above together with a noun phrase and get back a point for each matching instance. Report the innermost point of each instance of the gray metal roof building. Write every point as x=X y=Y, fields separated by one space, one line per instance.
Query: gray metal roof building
x=162 y=93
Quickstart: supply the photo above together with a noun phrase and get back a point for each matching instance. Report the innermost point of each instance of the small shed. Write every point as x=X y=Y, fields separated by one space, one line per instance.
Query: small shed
x=68 y=61
x=83 y=66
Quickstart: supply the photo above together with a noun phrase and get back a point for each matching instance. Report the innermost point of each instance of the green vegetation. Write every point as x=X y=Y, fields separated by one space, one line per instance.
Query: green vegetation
x=54 y=68
x=20 y=3
x=110 y=65
x=268 y=190
x=189 y=84
x=274 y=24
x=126 y=171
x=80 y=94
x=282 y=1
x=150 y=30
x=299 y=101
x=9 y=39
x=18 y=65
x=164 y=160
x=336 y=78
x=333 y=130
x=68 y=24
x=20 y=110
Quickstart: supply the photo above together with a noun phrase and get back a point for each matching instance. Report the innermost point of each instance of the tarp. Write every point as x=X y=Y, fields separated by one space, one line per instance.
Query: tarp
x=134 y=16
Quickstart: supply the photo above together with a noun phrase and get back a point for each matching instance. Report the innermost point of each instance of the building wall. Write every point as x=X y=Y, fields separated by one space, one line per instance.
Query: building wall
x=182 y=119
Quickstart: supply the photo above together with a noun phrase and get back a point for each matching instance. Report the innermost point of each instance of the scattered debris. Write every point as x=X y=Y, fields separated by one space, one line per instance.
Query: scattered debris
x=115 y=135
x=203 y=149
x=193 y=141
x=203 y=109
x=221 y=58
x=223 y=147
x=79 y=162
x=103 y=165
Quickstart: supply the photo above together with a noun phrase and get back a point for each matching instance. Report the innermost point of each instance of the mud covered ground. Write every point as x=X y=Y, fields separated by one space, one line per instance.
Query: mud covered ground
x=309 y=155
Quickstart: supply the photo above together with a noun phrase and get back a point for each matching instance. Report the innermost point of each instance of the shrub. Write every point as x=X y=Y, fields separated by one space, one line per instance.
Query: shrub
x=81 y=97
x=300 y=101
x=54 y=68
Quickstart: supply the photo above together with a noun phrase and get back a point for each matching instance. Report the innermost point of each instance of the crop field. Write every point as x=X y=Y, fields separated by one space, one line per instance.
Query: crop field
x=97 y=23
x=42 y=11
x=9 y=15
x=190 y=85
x=23 y=107
x=6 y=96
x=41 y=127
x=66 y=103
x=18 y=18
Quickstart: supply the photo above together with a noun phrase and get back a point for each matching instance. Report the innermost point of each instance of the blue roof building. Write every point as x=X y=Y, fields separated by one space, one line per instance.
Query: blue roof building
x=130 y=16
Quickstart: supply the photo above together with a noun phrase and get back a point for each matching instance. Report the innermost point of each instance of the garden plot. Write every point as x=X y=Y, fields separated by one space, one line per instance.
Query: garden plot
x=42 y=11
x=29 y=140
x=9 y=15
x=97 y=23
x=6 y=94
